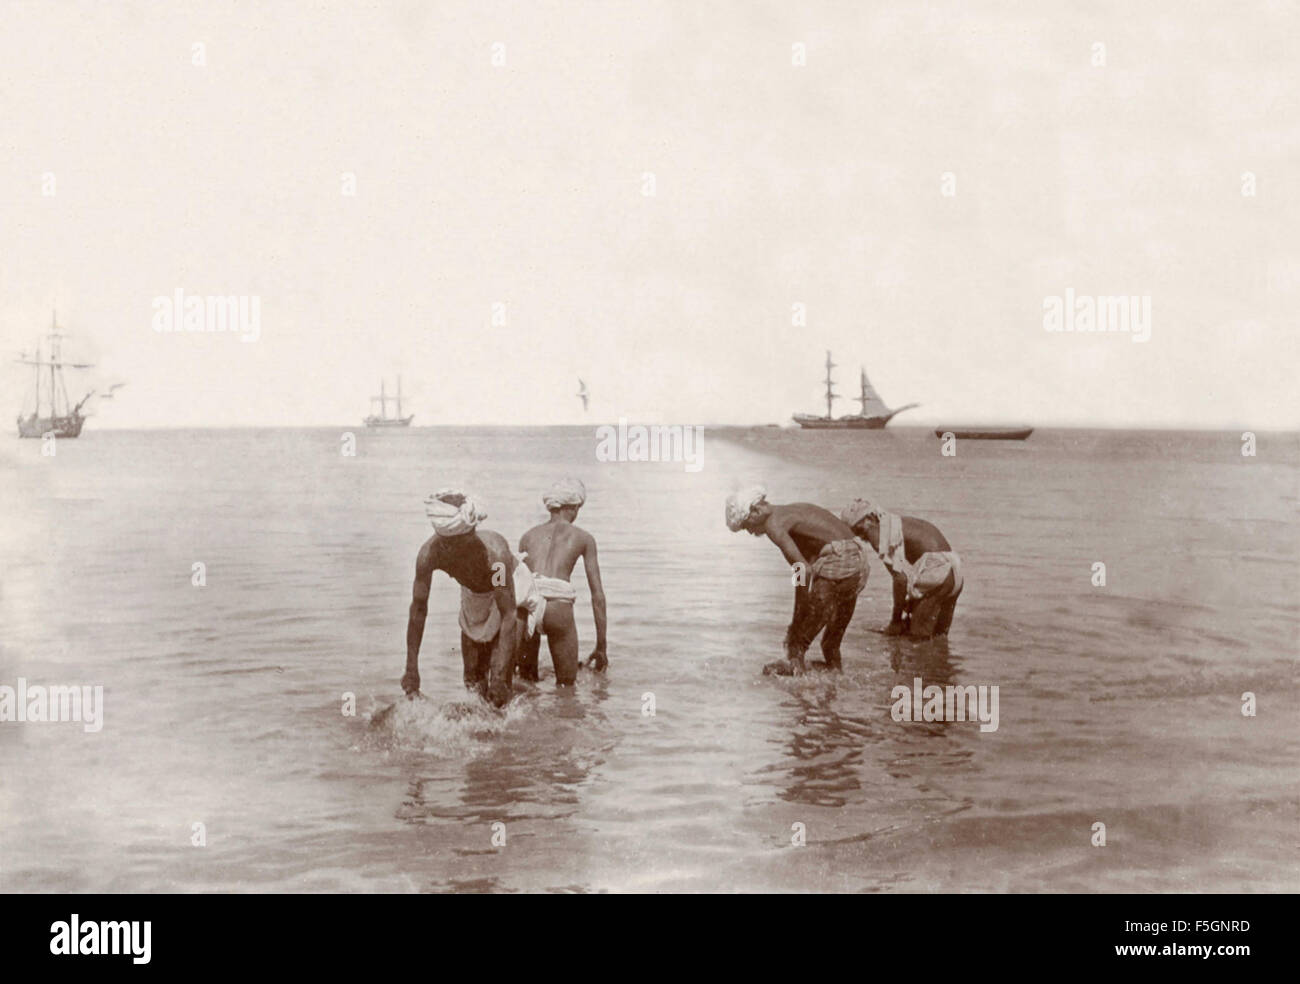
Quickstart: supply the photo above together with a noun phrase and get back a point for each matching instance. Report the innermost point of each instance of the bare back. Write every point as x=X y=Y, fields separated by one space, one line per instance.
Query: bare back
x=919 y=537
x=553 y=549
x=806 y=528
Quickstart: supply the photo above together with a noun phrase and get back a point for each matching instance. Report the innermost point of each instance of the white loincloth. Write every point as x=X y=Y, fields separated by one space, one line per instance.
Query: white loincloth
x=480 y=619
x=528 y=596
x=930 y=571
x=555 y=588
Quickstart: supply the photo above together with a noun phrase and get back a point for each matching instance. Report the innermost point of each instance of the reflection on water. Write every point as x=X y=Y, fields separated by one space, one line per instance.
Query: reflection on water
x=930 y=659
x=222 y=703
x=828 y=750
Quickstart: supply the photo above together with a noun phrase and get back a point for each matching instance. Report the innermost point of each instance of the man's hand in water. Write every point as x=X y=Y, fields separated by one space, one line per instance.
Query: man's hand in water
x=597 y=661
x=411 y=682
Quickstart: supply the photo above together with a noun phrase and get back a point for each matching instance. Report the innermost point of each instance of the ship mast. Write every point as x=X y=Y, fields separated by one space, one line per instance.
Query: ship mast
x=863 y=398
x=37 y=364
x=830 y=392
x=56 y=366
x=55 y=349
x=399 y=397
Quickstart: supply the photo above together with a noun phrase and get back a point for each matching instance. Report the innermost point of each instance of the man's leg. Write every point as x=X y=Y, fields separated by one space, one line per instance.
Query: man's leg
x=926 y=612
x=843 y=597
x=476 y=656
x=795 y=642
x=528 y=652
x=562 y=641
x=944 y=623
x=501 y=668
x=809 y=617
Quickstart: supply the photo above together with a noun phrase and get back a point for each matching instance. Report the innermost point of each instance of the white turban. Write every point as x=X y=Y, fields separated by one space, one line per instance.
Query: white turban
x=889 y=540
x=565 y=492
x=858 y=510
x=741 y=504
x=452 y=512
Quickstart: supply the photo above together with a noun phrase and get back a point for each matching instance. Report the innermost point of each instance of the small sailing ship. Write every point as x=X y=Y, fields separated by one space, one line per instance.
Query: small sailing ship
x=874 y=415
x=64 y=418
x=384 y=420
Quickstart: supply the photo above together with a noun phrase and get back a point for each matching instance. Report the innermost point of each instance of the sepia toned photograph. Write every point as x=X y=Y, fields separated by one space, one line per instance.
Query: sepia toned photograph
x=649 y=447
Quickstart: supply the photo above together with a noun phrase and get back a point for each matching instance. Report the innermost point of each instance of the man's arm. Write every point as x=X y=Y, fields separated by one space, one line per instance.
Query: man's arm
x=503 y=656
x=415 y=620
x=902 y=604
x=785 y=543
x=599 y=659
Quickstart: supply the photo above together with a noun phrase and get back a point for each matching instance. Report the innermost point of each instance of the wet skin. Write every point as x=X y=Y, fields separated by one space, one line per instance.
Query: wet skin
x=469 y=559
x=919 y=618
x=800 y=530
x=553 y=549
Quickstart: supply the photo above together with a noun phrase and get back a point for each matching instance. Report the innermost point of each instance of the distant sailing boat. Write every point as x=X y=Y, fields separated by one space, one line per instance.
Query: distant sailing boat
x=383 y=420
x=582 y=393
x=67 y=423
x=873 y=416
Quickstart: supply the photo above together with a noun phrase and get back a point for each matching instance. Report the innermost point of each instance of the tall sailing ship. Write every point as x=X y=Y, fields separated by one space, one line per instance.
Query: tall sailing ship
x=874 y=415
x=384 y=420
x=64 y=418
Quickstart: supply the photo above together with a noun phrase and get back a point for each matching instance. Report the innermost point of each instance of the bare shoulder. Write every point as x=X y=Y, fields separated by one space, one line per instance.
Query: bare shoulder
x=495 y=542
x=782 y=518
x=426 y=560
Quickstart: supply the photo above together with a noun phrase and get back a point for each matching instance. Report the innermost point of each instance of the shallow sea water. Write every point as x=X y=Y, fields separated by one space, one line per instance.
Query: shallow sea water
x=223 y=703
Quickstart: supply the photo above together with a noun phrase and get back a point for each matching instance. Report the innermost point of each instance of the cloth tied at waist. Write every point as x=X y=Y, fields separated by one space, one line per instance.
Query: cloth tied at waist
x=529 y=596
x=839 y=560
x=930 y=571
x=555 y=588
x=480 y=618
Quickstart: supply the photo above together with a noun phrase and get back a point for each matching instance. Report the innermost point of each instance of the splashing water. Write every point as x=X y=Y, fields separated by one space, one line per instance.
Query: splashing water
x=455 y=729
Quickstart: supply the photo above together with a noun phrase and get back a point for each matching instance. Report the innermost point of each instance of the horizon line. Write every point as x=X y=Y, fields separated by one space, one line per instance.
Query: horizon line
x=714 y=426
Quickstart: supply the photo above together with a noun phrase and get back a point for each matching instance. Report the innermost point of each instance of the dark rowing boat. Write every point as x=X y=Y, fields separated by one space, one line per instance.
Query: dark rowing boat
x=985 y=433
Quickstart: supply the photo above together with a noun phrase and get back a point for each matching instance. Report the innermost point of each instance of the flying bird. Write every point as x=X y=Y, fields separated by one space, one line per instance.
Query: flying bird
x=582 y=393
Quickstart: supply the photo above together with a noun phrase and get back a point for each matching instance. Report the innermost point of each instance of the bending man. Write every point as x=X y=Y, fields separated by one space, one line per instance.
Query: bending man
x=480 y=560
x=552 y=550
x=830 y=571
x=926 y=570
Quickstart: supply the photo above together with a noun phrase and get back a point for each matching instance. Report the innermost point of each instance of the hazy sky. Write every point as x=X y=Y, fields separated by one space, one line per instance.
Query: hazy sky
x=774 y=184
